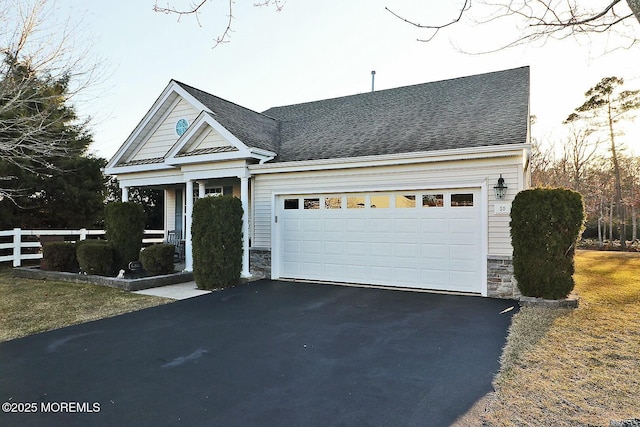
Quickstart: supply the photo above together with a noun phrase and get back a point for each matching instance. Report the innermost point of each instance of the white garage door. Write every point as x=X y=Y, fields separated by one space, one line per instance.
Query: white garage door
x=416 y=239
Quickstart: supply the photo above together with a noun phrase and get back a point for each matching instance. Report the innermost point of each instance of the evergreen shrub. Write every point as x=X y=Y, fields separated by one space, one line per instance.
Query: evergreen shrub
x=158 y=259
x=124 y=223
x=545 y=226
x=216 y=233
x=95 y=257
x=59 y=256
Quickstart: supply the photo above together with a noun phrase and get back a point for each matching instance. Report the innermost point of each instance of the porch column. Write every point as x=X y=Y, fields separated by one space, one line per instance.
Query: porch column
x=244 y=198
x=125 y=194
x=188 y=254
x=201 y=187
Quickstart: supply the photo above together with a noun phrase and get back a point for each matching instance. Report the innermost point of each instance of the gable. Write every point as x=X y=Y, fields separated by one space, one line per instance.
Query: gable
x=207 y=139
x=164 y=136
x=203 y=140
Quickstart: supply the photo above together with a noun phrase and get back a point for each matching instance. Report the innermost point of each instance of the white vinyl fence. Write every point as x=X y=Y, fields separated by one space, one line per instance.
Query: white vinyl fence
x=18 y=245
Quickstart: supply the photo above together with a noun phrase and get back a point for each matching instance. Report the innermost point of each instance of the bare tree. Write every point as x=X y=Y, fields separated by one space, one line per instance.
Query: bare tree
x=30 y=59
x=580 y=150
x=541 y=165
x=195 y=8
x=631 y=198
x=599 y=197
x=540 y=20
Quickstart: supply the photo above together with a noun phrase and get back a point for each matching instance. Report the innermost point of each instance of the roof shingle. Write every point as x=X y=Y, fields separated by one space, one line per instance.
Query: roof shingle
x=481 y=110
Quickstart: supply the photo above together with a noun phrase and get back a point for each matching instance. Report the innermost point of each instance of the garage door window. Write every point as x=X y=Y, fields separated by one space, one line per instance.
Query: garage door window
x=432 y=200
x=355 y=202
x=458 y=200
x=379 y=202
x=291 y=203
x=333 y=203
x=312 y=203
x=406 y=201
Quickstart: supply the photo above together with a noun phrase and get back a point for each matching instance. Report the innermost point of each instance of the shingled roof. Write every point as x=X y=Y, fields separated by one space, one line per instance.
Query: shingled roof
x=481 y=110
x=475 y=111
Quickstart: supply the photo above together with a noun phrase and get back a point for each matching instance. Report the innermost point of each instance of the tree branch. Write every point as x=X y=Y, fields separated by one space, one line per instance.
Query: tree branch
x=466 y=6
x=194 y=9
x=543 y=19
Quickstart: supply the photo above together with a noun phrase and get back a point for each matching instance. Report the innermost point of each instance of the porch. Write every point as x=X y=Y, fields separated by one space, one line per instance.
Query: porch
x=180 y=197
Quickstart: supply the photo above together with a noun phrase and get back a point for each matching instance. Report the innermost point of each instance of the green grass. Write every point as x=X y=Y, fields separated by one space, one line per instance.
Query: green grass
x=30 y=306
x=576 y=367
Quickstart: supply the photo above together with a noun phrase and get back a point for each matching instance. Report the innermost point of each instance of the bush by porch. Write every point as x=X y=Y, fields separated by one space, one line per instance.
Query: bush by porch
x=217 y=241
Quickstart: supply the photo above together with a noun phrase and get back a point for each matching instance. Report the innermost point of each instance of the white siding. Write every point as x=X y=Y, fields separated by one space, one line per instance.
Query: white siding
x=416 y=176
x=209 y=139
x=164 y=136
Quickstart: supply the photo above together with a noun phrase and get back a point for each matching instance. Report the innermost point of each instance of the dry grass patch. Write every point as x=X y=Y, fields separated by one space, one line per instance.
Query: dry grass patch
x=576 y=367
x=30 y=306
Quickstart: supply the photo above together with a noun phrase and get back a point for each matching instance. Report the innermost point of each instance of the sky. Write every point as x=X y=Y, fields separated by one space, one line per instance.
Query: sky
x=317 y=50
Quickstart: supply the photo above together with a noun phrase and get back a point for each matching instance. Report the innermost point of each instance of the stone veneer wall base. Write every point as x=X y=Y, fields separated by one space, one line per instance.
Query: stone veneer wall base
x=260 y=262
x=501 y=283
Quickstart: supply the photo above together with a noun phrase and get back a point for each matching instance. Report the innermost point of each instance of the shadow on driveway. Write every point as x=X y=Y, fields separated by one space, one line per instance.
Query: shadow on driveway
x=264 y=354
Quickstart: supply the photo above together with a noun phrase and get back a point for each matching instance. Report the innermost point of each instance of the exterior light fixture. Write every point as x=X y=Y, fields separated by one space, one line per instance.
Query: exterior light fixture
x=501 y=189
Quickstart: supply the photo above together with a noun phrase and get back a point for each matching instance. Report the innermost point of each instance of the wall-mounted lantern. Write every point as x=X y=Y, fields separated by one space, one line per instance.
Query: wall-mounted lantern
x=501 y=189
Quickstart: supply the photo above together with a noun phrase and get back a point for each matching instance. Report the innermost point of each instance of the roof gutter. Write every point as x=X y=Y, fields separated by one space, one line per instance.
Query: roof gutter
x=496 y=151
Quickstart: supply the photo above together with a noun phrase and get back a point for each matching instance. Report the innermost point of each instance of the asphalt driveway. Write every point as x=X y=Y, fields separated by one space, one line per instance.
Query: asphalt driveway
x=263 y=354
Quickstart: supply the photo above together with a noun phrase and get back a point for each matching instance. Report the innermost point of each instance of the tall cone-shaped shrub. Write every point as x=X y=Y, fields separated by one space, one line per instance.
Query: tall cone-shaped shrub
x=216 y=239
x=124 y=223
x=545 y=225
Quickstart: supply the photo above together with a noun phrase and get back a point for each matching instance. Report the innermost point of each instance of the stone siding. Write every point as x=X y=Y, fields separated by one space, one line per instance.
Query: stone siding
x=260 y=262
x=501 y=282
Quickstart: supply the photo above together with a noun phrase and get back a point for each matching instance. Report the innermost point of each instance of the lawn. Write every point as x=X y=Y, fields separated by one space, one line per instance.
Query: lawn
x=576 y=367
x=31 y=306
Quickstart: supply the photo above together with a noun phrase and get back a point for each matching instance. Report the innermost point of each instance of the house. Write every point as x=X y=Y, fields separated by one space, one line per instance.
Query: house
x=392 y=188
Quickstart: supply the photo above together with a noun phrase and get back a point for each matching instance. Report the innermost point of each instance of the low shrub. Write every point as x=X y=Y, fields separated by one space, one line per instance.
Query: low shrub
x=59 y=256
x=96 y=257
x=158 y=259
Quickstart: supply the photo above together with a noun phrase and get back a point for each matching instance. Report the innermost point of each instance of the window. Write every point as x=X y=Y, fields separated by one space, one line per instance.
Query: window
x=291 y=203
x=432 y=200
x=213 y=191
x=312 y=203
x=379 y=202
x=461 y=200
x=355 y=202
x=333 y=202
x=405 y=201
